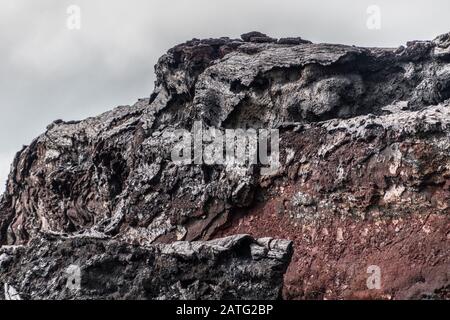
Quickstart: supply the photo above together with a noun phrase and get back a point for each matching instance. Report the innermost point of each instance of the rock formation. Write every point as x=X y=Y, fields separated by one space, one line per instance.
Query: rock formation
x=364 y=179
x=236 y=267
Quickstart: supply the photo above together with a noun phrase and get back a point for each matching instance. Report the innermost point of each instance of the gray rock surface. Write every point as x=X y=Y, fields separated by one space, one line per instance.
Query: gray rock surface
x=236 y=267
x=364 y=138
x=113 y=173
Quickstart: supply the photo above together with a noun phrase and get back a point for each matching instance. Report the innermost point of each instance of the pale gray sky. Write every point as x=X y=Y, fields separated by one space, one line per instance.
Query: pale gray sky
x=49 y=72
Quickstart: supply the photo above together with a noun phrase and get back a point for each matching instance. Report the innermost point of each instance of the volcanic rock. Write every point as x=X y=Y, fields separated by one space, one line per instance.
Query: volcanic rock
x=364 y=175
x=237 y=267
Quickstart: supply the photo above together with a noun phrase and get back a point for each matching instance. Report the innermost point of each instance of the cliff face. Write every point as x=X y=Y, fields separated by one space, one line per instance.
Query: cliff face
x=236 y=267
x=364 y=175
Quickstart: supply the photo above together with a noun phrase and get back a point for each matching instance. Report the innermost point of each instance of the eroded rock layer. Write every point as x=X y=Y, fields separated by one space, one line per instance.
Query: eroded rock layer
x=364 y=177
x=236 y=267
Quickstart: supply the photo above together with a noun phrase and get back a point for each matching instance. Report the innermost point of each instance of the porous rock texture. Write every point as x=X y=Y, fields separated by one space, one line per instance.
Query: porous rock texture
x=236 y=267
x=364 y=177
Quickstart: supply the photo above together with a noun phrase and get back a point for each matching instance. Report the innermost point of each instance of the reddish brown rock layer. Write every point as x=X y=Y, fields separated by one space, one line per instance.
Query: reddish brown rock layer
x=331 y=258
x=364 y=177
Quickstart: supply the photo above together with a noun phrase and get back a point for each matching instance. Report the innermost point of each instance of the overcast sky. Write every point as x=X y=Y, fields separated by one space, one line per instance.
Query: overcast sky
x=49 y=72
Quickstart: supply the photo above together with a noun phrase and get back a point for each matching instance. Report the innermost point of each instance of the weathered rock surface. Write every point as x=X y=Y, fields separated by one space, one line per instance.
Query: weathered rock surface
x=237 y=267
x=365 y=153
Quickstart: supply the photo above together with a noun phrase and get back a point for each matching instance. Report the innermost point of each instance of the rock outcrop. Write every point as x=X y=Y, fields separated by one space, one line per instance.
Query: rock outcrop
x=236 y=267
x=363 y=181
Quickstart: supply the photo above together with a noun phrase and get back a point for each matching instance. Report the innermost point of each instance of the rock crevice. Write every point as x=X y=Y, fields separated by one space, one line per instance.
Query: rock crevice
x=364 y=151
